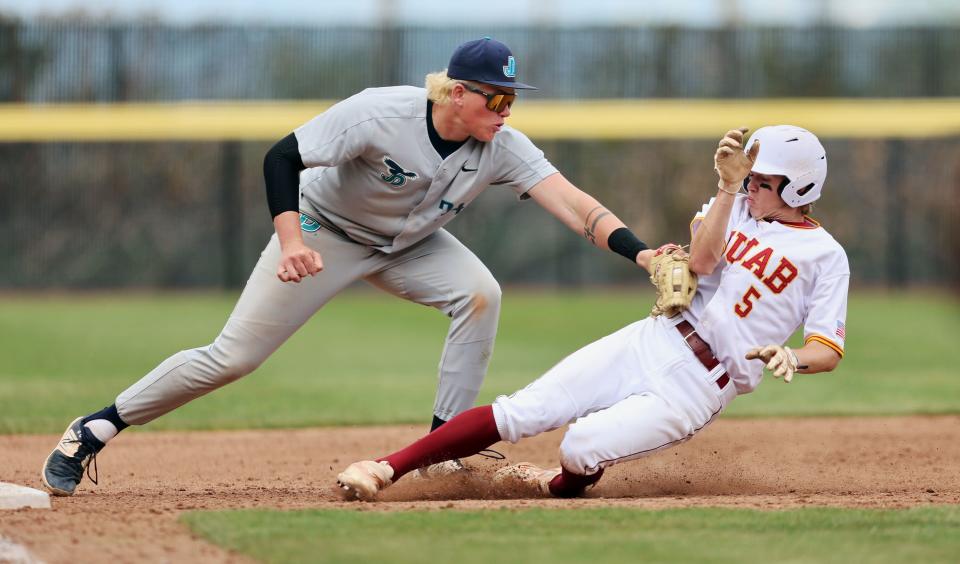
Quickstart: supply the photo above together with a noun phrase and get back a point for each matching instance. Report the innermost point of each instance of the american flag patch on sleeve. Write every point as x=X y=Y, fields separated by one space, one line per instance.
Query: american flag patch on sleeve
x=841 y=330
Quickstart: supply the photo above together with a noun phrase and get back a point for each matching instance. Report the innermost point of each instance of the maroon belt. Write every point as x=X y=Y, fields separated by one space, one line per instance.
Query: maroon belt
x=701 y=350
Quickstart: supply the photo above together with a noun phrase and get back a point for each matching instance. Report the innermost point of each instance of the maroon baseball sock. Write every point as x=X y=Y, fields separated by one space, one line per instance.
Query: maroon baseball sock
x=568 y=484
x=464 y=435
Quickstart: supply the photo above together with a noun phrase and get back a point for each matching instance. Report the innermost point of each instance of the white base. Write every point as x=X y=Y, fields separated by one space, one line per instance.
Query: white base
x=13 y=496
x=15 y=554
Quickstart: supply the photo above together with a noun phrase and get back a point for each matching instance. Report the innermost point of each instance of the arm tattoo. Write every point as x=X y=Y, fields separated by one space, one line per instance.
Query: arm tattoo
x=589 y=228
x=589 y=213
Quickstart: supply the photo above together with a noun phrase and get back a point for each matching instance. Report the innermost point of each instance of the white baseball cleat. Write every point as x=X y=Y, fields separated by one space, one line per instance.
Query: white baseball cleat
x=440 y=469
x=527 y=473
x=363 y=480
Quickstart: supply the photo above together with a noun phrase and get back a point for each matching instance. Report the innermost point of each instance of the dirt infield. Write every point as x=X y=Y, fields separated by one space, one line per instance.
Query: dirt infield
x=148 y=479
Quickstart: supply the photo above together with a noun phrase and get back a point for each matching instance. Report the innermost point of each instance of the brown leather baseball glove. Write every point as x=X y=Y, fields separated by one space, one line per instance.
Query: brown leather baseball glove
x=675 y=283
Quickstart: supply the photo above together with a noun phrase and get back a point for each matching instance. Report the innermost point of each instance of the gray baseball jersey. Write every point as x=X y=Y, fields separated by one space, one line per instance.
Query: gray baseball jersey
x=376 y=178
x=373 y=173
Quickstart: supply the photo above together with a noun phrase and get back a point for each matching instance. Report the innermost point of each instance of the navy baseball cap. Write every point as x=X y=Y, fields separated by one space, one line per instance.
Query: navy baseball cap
x=485 y=60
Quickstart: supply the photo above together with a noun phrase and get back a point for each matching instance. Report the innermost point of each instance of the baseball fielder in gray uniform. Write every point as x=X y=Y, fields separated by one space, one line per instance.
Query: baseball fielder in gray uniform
x=362 y=191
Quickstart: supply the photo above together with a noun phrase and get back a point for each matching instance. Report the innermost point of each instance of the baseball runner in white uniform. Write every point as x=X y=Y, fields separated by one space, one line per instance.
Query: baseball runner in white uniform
x=361 y=192
x=765 y=269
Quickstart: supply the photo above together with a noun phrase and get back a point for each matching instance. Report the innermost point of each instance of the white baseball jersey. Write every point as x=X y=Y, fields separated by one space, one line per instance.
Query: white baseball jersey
x=372 y=171
x=772 y=277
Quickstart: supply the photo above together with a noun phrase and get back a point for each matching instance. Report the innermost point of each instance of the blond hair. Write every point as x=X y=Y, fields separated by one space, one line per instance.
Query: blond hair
x=439 y=86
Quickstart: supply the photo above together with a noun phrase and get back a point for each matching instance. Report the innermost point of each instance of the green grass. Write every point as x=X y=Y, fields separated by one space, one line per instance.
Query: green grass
x=930 y=534
x=371 y=358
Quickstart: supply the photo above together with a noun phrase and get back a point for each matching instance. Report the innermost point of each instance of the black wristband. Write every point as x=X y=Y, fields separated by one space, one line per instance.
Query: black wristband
x=623 y=242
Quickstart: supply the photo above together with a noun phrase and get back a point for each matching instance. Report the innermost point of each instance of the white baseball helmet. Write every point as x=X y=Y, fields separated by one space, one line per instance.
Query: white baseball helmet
x=796 y=154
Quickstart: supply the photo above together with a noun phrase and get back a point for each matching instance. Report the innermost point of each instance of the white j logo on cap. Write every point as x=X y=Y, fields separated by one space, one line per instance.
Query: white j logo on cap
x=510 y=69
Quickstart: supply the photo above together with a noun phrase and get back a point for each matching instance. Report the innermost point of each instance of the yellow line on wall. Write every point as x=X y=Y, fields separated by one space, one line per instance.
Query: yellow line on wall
x=593 y=119
x=690 y=119
x=155 y=122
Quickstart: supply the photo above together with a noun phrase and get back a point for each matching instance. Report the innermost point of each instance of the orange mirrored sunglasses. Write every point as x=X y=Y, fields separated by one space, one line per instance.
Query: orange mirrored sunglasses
x=496 y=102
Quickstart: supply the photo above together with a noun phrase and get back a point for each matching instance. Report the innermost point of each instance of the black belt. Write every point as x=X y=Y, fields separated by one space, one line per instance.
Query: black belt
x=701 y=350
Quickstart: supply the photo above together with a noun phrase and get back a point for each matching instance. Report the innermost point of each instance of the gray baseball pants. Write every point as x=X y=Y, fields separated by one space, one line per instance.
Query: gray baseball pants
x=438 y=271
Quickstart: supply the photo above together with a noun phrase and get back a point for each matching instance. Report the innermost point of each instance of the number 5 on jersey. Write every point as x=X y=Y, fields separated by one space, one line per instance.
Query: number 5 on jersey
x=743 y=309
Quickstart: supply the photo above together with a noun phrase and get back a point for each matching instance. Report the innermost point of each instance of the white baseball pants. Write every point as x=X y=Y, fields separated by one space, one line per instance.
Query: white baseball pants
x=439 y=271
x=629 y=394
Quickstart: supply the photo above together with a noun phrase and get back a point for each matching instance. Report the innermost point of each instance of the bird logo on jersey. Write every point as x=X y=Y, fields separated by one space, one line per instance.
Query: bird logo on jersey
x=395 y=174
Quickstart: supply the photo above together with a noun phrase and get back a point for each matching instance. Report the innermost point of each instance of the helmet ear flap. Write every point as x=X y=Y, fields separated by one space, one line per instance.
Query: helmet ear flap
x=805 y=189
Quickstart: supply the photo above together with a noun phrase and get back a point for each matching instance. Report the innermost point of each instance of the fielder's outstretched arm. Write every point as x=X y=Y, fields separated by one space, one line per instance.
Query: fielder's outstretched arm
x=584 y=215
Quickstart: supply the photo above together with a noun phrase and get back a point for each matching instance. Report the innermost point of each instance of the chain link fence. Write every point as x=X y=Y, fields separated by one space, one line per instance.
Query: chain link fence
x=75 y=62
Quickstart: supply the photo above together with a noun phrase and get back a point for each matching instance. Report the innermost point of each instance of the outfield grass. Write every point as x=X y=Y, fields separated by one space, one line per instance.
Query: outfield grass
x=929 y=534
x=370 y=358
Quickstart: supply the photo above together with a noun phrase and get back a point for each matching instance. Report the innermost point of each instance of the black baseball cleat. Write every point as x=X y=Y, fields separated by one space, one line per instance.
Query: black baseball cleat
x=64 y=468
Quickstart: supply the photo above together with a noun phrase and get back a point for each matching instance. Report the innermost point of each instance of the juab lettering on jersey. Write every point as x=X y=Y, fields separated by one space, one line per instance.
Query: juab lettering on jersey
x=738 y=247
x=779 y=279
